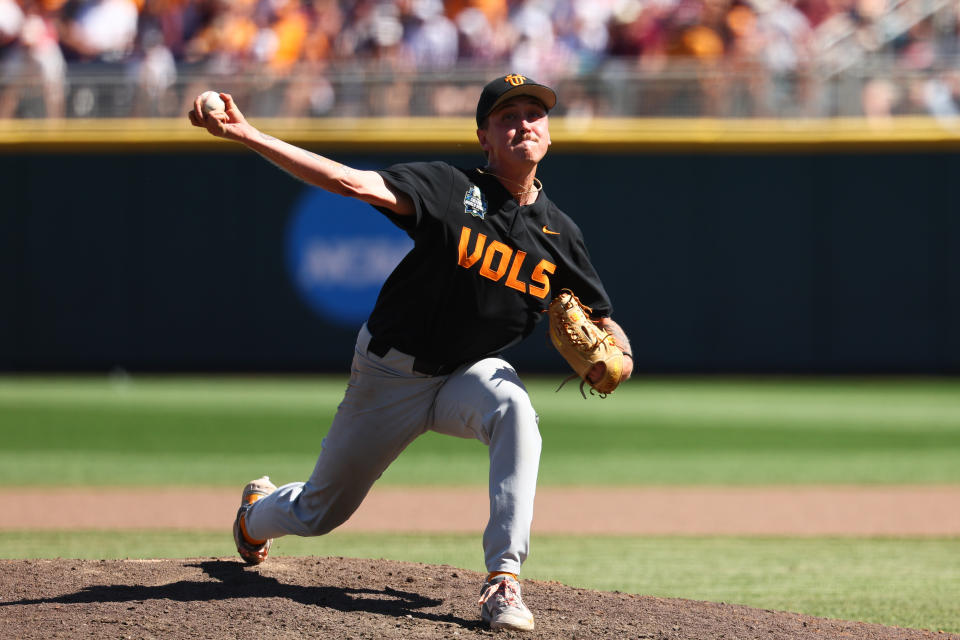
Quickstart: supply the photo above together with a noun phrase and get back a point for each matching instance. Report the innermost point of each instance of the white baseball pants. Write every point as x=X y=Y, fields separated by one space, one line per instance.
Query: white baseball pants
x=386 y=406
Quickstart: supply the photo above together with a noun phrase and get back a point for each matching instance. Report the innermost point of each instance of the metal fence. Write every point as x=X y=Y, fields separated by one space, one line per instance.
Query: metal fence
x=876 y=86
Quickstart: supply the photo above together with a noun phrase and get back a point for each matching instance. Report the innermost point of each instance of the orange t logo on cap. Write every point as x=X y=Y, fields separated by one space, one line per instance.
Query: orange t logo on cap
x=515 y=79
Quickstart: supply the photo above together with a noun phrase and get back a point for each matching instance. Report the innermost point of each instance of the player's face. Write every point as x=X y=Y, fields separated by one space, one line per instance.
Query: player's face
x=516 y=131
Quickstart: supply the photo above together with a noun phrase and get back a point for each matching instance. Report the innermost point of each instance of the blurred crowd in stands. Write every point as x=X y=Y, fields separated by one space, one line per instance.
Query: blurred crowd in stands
x=429 y=57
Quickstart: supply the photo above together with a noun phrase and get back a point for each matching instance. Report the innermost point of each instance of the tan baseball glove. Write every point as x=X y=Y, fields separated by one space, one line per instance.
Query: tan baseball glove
x=583 y=344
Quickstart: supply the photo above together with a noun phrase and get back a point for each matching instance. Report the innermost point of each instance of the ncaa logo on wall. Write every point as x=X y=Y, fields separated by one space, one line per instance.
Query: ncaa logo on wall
x=339 y=252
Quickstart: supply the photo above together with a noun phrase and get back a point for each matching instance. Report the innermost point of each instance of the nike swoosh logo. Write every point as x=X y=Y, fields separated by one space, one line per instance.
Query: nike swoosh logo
x=548 y=232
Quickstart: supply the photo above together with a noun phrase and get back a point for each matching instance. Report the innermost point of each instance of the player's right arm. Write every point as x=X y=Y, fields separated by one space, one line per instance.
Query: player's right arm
x=368 y=186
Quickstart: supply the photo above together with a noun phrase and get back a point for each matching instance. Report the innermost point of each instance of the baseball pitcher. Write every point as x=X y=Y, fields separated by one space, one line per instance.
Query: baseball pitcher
x=491 y=252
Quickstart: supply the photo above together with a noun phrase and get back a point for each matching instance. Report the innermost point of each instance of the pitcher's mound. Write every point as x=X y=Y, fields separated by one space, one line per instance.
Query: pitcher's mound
x=343 y=598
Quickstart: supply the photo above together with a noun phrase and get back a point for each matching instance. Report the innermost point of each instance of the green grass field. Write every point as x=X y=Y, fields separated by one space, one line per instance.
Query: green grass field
x=196 y=431
x=158 y=431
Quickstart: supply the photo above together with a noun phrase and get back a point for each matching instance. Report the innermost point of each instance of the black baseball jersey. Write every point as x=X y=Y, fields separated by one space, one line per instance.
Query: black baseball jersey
x=482 y=270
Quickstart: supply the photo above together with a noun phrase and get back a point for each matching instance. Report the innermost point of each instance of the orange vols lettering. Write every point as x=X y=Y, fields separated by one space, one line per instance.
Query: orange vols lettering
x=506 y=260
x=505 y=254
x=540 y=275
x=465 y=260
x=512 y=281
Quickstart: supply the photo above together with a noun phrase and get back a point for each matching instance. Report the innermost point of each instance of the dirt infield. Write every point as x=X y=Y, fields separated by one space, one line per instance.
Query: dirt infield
x=795 y=511
x=298 y=598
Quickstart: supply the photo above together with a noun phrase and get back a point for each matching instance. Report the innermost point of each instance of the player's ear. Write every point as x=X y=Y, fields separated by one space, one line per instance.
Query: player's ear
x=482 y=137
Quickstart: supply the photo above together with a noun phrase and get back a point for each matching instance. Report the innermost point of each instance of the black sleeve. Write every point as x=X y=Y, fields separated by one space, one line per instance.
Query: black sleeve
x=579 y=275
x=428 y=184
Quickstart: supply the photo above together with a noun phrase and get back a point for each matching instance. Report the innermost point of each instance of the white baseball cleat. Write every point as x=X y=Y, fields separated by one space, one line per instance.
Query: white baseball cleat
x=502 y=607
x=252 y=551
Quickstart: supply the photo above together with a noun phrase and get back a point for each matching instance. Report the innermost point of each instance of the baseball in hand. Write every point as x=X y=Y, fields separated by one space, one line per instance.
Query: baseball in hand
x=210 y=101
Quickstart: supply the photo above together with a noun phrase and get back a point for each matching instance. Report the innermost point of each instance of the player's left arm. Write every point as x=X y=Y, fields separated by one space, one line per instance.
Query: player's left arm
x=620 y=338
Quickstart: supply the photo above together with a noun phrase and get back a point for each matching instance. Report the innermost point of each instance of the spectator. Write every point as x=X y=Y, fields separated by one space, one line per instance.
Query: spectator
x=432 y=38
x=177 y=20
x=156 y=72
x=321 y=57
x=31 y=62
x=534 y=49
x=227 y=38
x=289 y=33
x=11 y=55
x=477 y=41
x=309 y=92
x=100 y=30
x=784 y=46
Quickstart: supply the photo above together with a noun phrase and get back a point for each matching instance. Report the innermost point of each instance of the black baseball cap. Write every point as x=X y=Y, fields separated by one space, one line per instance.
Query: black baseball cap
x=508 y=86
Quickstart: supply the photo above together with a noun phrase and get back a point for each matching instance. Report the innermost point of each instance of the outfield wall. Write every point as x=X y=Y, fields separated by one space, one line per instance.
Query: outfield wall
x=733 y=249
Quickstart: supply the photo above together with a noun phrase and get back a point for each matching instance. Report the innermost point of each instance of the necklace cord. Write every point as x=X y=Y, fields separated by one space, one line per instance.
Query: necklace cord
x=537 y=185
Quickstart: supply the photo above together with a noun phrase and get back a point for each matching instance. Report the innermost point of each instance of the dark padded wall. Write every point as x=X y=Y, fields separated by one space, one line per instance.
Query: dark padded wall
x=831 y=263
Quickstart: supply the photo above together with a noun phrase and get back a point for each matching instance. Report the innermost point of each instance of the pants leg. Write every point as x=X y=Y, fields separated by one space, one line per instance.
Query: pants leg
x=487 y=401
x=386 y=406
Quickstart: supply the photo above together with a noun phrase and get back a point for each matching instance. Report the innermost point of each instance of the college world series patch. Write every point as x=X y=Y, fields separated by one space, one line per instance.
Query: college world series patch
x=474 y=203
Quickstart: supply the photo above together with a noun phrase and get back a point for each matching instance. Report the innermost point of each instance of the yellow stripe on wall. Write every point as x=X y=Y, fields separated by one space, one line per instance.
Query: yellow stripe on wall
x=570 y=135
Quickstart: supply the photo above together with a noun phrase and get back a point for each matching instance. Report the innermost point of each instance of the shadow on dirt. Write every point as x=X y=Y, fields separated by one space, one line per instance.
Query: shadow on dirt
x=235 y=580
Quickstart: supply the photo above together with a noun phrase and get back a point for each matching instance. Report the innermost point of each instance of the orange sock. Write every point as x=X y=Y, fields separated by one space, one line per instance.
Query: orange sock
x=246 y=536
x=494 y=574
